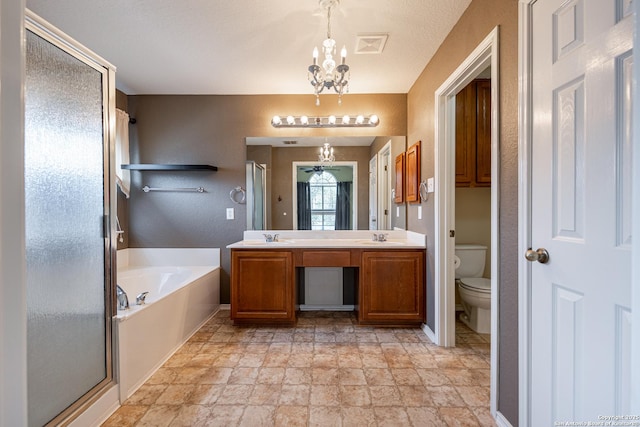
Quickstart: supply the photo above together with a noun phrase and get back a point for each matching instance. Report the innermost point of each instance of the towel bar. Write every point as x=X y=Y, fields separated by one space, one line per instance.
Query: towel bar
x=147 y=189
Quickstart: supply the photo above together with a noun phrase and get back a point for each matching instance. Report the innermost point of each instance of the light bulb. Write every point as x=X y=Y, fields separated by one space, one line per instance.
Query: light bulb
x=304 y=120
x=332 y=120
x=360 y=119
x=276 y=121
x=315 y=55
x=373 y=119
x=346 y=119
x=290 y=120
x=343 y=54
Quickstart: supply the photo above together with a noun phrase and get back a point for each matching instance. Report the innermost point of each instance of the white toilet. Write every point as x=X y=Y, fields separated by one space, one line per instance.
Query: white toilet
x=475 y=290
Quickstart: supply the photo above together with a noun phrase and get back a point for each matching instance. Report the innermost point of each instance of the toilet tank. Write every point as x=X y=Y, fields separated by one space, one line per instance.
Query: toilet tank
x=472 y=258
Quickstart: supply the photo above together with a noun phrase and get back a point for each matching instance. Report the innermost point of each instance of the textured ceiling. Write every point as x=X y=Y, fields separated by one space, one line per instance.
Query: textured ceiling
x=251 y=46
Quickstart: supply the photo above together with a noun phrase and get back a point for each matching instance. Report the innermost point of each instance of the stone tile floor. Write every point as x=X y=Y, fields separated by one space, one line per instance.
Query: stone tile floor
x=325 y=371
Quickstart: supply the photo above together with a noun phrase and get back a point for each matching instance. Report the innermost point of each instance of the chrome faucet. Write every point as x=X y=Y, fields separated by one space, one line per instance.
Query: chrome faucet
x=123 y=300
x=140 y=299
x=381 y=237
x=269 y=238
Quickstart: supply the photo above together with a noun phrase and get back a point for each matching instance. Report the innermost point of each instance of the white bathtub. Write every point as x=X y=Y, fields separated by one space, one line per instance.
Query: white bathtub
x=184 y=292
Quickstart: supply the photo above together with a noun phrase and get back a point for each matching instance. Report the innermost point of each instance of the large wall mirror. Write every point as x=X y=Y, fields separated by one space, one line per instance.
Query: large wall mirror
x=288 y=188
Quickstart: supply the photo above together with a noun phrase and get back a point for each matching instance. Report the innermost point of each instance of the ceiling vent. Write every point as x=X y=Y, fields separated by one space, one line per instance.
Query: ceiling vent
x=289 y=142
x=370 y=43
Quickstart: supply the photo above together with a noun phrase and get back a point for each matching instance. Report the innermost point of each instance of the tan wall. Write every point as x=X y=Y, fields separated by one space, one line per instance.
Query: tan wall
x=473 y=219
x=475 y=24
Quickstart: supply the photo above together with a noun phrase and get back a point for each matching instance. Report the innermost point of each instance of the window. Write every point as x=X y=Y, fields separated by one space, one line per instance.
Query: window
x=323 y=188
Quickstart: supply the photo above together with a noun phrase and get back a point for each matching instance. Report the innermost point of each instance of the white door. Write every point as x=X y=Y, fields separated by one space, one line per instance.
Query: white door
x=373 y=193
x=581 y=210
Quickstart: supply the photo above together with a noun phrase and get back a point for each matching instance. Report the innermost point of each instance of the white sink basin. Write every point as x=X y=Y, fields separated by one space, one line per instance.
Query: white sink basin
x=263 y=243
x=378 y=243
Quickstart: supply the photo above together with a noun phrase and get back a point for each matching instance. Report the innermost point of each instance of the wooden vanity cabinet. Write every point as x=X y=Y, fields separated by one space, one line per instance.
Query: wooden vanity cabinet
x=473 y=135
x=392 y=288
x=262 y=286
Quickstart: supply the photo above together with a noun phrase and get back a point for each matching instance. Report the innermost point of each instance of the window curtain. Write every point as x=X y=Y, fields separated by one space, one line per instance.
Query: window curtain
x=123 y=177
x=304 y=206
x=343 y=206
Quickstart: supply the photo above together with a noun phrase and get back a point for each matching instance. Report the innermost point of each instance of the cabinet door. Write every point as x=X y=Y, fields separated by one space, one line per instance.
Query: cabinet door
x=466 y=136
x=392 y=287
x=262 y=285
x=483 y=133
x=413 y=173
x=473 y=135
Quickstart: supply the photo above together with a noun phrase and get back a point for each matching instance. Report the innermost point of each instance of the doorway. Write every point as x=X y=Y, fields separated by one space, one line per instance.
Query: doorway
x=483 y=57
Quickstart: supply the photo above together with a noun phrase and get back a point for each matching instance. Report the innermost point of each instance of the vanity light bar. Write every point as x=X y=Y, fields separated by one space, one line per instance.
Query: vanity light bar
x=325 y=122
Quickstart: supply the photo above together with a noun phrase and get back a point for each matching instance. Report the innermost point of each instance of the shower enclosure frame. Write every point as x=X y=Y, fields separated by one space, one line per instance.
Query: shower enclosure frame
x=51 y=34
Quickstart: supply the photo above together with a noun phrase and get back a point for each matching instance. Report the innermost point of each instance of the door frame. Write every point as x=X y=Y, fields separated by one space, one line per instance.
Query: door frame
x=484 y=55
x=525 y=114
x=13 y=298
x=384 y=186
x=635 y=245
x=525 y=49
x=373 y=192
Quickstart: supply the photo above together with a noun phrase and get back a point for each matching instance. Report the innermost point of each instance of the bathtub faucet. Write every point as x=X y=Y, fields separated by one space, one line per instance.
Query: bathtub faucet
x=123 y=300
x=140 y=299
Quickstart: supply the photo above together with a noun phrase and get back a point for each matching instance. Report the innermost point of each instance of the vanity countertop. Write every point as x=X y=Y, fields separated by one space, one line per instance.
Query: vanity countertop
x=361 y=239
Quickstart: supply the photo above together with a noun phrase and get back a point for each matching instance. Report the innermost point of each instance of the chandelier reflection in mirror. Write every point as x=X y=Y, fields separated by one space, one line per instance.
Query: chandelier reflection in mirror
x=329 y=76
x=326 y=154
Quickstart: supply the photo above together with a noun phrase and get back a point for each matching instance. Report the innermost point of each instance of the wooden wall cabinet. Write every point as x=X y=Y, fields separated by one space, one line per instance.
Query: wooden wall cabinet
x=473 y=135
x=399 y=187
x=262 y=286
x=392 y=288
x=413 y=173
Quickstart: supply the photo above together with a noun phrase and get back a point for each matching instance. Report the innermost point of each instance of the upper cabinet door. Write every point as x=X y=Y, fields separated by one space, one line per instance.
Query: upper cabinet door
x=465 y=135
x=413 y=173
x=473 y=135
x=483 y=132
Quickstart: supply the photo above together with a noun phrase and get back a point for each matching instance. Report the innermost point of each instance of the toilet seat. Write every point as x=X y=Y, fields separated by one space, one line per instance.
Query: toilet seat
x=478 y=284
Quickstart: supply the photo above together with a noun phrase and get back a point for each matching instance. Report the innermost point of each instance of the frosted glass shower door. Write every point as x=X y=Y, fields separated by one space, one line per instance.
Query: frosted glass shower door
x=256 y=188
x=66 y=244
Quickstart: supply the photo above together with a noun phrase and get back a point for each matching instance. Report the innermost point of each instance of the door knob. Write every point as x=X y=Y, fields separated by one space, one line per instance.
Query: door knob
x=541 y=255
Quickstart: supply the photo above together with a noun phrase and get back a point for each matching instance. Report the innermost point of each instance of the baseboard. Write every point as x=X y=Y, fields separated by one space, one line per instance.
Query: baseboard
x=100 y=410
x=323 y=307
x=429 y=333
x=225 y=307
x=501 y=421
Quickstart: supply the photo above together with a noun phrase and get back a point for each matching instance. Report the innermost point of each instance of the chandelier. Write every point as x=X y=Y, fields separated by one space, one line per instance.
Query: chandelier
x=329 y=76
x=326 y=154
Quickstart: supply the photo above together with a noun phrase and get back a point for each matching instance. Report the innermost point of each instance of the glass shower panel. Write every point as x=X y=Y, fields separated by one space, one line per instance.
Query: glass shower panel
x=255 y=197
x=65 y=244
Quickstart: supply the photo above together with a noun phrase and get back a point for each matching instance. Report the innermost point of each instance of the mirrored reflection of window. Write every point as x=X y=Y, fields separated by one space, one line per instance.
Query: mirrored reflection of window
x=323 y=188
